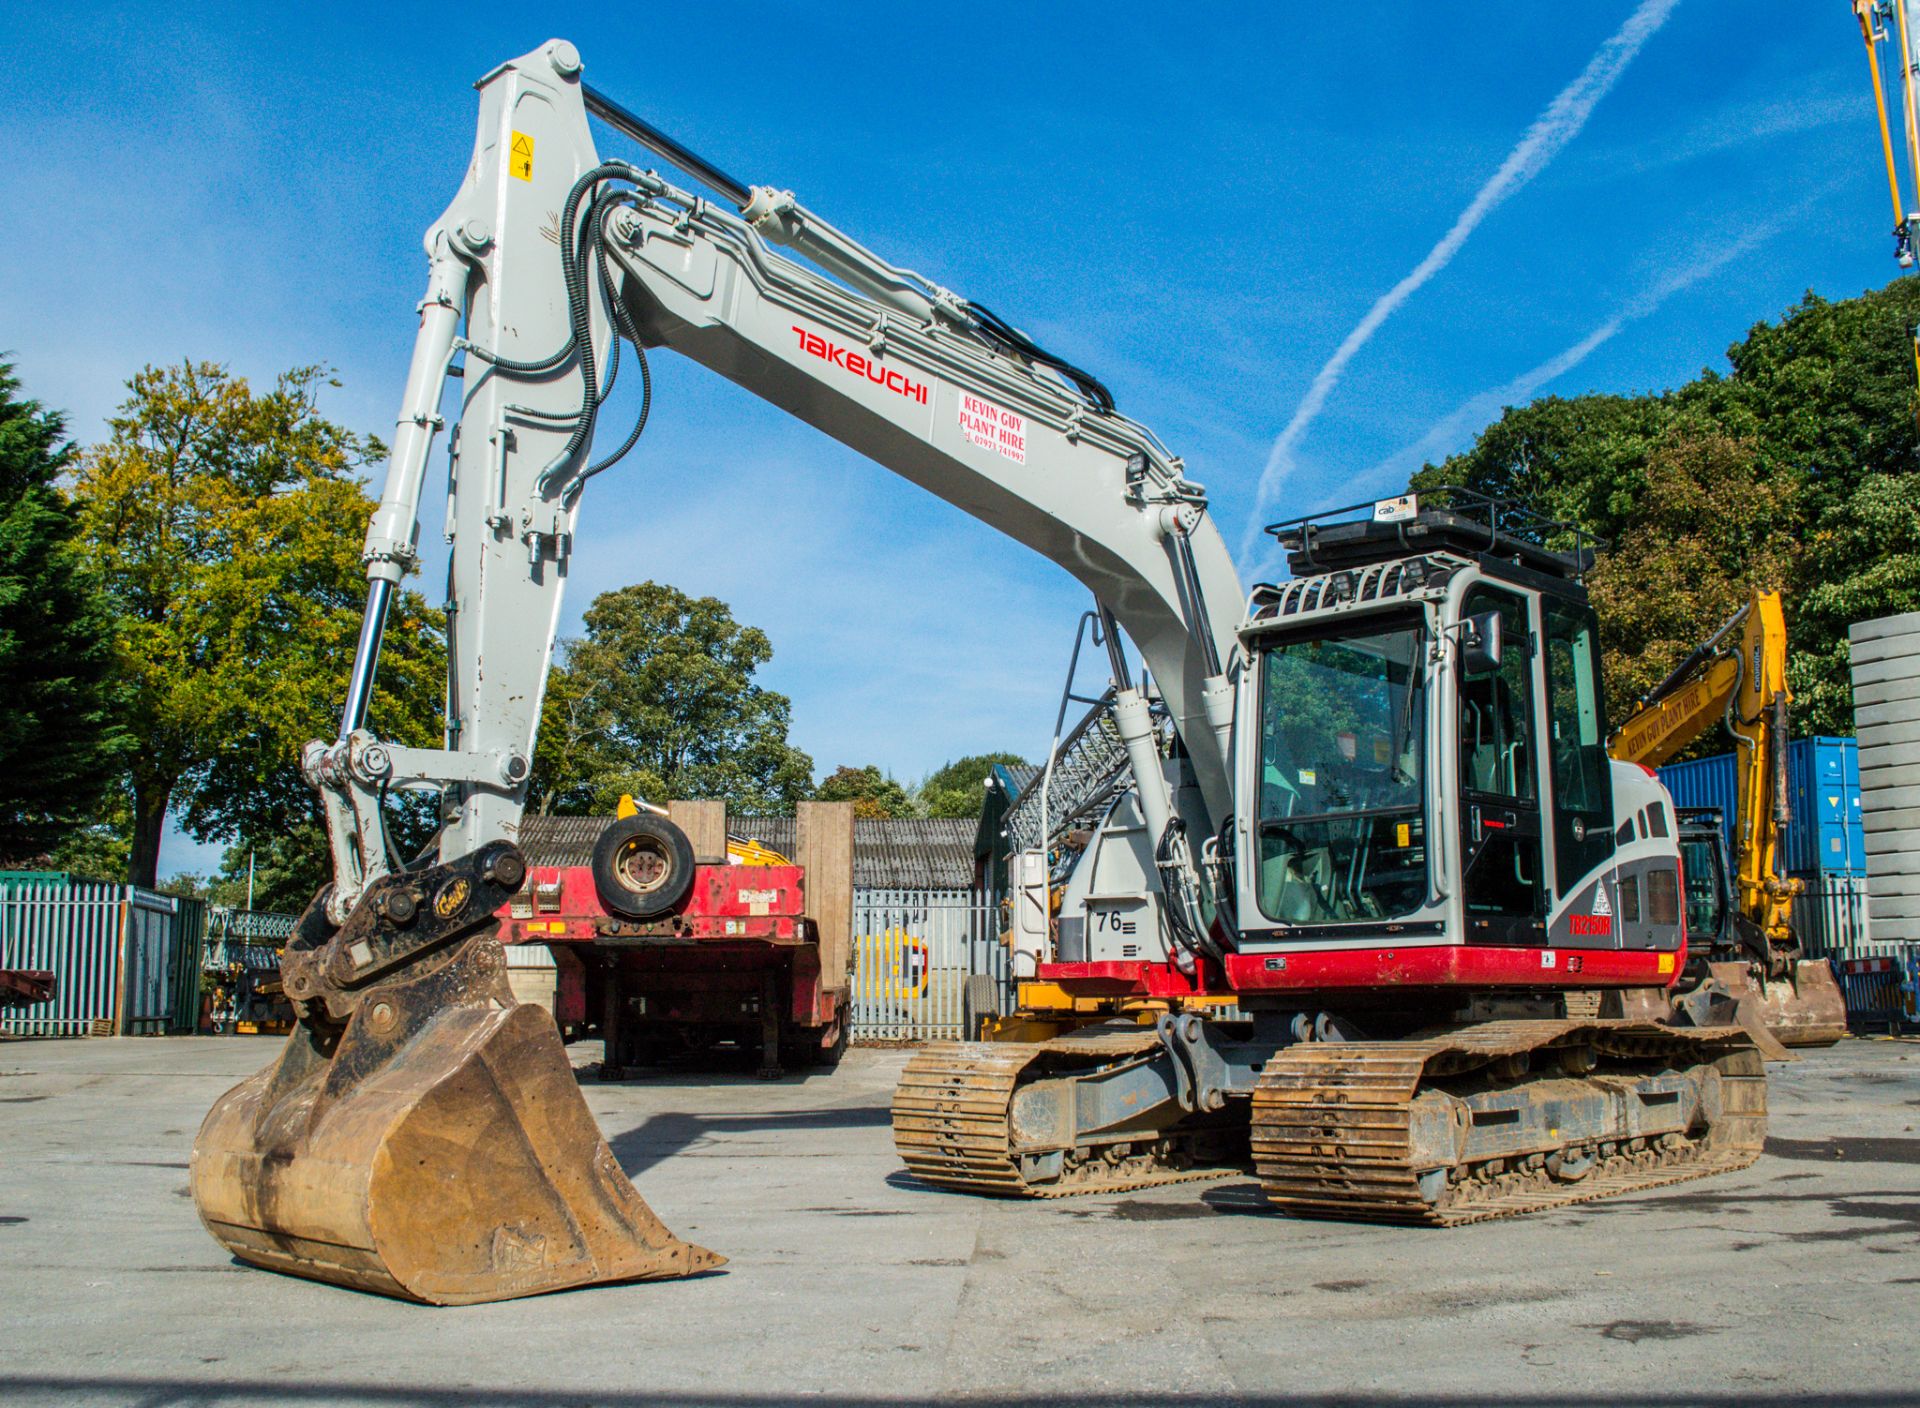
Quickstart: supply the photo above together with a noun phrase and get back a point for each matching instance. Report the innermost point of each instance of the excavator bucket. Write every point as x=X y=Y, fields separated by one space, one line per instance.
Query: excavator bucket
x=1804 y=1010
x=433 y=1146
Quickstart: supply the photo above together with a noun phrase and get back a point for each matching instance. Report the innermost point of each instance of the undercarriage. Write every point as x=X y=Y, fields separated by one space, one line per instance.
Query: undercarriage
x=1446 y=1126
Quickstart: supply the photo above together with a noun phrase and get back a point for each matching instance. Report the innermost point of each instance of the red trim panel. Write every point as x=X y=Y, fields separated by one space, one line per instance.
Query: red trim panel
x=1455 y=966
x=1421 y=966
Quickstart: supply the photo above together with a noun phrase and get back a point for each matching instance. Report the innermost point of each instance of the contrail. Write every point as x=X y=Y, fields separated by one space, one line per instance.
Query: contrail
x=1556 y=126
x=1484 y=407
x=1391 y=473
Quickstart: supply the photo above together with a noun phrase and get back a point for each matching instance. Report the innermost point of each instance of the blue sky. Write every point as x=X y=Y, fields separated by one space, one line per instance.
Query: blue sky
x=1197 y=203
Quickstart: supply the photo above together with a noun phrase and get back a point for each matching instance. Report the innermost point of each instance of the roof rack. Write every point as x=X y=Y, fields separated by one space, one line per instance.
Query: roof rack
x=1464 y=521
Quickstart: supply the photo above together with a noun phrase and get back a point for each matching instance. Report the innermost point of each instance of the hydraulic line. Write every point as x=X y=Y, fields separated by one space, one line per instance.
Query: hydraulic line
x=661 y=145
x=999 y=329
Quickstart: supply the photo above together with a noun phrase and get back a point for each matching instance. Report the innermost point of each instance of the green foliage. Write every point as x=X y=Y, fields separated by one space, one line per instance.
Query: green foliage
x=658 y=699
x=1700 y=539
x=98 y=851
x=59 y=736
x=1793 y=470
x=288 y=869
x=225 y=528
x=957 y=789
x=871 y=791
x=1579 y=459
x=188 y=885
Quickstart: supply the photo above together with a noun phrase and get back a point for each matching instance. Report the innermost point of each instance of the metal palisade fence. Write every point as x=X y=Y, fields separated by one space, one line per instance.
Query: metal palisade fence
x=125 y=960
x=914 y=952
x=1831 y=918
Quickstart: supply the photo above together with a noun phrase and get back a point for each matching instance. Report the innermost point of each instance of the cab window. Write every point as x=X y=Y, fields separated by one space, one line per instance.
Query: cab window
x=1576 y=744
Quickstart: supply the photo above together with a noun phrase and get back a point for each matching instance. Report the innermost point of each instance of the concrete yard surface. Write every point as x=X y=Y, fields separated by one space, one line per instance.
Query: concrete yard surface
x=1796 y=1279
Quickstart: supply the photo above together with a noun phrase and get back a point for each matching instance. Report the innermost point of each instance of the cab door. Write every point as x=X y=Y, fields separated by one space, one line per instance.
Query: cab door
x=1578 y=769
x=1502 y=879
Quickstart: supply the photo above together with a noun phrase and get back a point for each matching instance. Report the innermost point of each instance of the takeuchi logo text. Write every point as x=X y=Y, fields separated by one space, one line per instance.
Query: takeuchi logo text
x=859 y=364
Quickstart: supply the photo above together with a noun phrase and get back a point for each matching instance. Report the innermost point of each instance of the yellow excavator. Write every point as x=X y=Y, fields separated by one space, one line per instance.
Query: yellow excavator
x=1741 y=939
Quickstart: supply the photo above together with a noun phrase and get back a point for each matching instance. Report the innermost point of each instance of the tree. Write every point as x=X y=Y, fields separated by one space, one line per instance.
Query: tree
x=658 y=699
x=98 y=851
x=288 y=869
x=60 y=742
x=958 y=788
x=225 y=528
x=1580 y=459
x=1701 y=539
x=871 y=791
x=1795 y=468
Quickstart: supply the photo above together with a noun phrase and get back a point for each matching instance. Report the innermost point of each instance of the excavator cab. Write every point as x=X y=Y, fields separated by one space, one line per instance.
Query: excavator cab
x=1429 y=759
x=1439 y=660
x=1703 y=861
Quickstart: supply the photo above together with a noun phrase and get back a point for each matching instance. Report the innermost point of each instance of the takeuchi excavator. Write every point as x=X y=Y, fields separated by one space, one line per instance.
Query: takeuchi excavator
x=1376 y=906
x=1743 y=941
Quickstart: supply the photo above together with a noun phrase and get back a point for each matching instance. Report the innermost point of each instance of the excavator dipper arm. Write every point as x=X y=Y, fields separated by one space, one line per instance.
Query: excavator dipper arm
x=1737 y=676
x=549 y=249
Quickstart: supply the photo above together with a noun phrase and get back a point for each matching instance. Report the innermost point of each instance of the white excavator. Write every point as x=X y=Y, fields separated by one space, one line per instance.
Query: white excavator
x=1375 y=908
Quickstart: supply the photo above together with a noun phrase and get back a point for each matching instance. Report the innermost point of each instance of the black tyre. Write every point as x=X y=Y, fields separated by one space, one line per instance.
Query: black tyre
x=979 y=1000
x=642 y=867
x=829 y=1056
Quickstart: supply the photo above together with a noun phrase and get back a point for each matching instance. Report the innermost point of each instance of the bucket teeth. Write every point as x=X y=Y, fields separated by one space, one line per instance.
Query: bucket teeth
x=436 y=1148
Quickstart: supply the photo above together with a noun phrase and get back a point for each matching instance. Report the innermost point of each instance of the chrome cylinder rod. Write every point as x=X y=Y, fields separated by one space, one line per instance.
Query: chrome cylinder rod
x=366 y=655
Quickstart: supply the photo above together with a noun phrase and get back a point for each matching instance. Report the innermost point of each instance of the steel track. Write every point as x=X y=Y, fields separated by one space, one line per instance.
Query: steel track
x=1331 y=1122
x=952 y=1113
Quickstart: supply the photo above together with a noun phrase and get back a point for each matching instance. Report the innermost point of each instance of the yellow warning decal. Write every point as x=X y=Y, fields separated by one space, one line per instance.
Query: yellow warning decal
x=1666 y=963
x=520 y=158
x=1403 y=835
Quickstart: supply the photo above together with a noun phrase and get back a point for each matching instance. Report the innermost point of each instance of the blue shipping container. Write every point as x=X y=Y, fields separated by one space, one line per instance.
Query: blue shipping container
x=1825 y=836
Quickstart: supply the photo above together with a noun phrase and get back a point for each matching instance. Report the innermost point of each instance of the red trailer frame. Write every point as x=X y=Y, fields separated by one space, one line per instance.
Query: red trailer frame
x=743 y=957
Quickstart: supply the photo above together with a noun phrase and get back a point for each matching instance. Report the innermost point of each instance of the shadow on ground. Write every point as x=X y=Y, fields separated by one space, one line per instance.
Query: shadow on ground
x=660 y=1137
x=161 y=1392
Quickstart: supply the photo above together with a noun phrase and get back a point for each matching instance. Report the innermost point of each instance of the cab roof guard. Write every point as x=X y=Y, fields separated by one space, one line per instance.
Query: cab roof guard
x=1463 y=521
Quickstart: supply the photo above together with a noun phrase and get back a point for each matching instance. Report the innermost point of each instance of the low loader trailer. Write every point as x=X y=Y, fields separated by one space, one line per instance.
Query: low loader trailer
x=674 y=936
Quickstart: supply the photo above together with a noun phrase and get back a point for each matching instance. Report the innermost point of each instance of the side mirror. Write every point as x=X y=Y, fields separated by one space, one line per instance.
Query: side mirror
x=1480 y=644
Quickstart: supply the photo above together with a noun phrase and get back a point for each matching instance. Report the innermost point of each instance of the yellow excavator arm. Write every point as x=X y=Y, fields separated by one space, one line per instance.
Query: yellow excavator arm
x=1738 y=676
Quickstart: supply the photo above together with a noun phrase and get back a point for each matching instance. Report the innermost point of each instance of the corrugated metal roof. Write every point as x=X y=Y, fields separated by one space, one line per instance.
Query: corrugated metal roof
x=895 y=853
x=1020 y=776
x=913 y=853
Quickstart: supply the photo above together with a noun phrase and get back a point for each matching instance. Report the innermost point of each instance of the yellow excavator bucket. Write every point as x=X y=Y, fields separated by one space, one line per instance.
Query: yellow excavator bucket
x=421 y=1134
x=1805 y=1009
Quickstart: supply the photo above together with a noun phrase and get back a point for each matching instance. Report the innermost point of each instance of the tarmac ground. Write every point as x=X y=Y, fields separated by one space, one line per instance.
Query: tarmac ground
x=1796 y=1279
